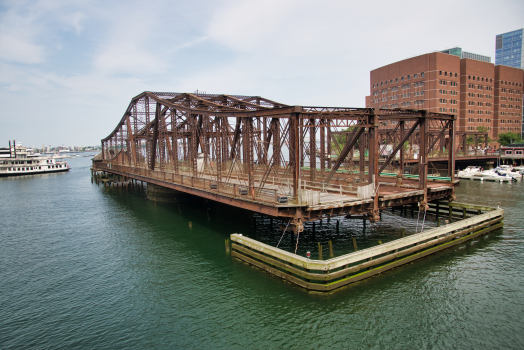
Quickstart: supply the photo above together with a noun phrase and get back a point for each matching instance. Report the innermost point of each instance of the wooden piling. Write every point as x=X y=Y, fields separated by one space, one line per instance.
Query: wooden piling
x=331 y=249
x=330 y=274
x=402 y=232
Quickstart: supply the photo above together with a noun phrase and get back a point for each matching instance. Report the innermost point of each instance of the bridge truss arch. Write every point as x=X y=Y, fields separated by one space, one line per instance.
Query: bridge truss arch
x=267 y=151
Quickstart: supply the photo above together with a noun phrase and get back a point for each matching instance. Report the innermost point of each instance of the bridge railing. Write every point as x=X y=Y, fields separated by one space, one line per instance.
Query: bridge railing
x=236 y=190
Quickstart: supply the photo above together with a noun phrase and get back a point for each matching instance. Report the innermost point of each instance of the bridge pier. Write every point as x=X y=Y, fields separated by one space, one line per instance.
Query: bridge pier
x=162 y=194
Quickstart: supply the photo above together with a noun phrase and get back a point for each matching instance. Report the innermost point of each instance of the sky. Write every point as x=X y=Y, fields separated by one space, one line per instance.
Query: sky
x=69 y=68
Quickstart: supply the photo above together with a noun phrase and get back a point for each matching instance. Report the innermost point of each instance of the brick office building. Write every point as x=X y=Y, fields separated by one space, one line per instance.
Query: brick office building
x=508 y=99
x=477 y=92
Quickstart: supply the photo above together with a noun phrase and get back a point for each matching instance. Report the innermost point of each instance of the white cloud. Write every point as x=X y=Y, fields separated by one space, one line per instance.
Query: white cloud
x=18 y=37
x=16 y=48
x=293 y=51
x=127 y=57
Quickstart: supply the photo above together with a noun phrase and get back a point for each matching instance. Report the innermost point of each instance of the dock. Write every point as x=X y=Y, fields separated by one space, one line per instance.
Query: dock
x=465 y=222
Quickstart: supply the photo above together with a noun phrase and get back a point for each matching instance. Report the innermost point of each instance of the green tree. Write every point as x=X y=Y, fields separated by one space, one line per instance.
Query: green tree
x=480 y=139
x=508 y=138
x=341 y=138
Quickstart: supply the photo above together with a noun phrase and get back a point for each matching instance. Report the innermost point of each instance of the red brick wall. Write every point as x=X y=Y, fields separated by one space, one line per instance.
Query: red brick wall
x=477 y=95
x=509 y=83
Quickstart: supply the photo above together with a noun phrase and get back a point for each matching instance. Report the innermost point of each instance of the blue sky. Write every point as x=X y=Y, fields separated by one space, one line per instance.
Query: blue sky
x=68 y=68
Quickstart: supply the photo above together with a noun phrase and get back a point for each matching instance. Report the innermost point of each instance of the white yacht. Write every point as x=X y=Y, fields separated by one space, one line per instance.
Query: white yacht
x=468 y=172
x=476 y=173
x=17 y=160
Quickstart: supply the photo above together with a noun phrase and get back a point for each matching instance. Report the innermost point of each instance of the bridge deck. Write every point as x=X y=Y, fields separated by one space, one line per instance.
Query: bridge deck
x=314 y=201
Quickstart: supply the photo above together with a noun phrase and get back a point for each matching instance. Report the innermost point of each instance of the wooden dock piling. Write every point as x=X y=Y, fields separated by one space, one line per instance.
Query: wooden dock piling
x=327 y=275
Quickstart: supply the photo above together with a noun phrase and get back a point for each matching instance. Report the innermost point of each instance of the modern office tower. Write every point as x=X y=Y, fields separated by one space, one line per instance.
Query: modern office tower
x=479 y=93
x=457 y=51
x=508 y=49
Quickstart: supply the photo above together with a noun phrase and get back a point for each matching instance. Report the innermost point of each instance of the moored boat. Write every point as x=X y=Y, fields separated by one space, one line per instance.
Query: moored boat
x=18 y=160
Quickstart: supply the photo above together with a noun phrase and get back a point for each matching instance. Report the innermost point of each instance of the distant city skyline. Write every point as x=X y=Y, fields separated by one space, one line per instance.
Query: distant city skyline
x=68 y=69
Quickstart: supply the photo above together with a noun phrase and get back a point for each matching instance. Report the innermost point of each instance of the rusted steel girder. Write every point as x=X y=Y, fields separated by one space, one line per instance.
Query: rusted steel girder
x=253 y=143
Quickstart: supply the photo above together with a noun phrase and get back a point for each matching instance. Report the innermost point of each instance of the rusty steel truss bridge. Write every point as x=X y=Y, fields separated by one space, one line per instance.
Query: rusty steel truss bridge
x=296 y=163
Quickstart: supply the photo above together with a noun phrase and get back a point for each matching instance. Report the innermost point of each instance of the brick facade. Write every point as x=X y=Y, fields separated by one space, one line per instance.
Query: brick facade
x=478 y=93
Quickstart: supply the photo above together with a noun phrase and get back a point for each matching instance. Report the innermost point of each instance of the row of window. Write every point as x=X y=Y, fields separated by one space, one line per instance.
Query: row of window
x=443 y=100
x=480 y=79
x=510 y=114
x=509 y=121
x=36 y=168
x=395 y=88
x=513 y=128
x=445 y=82
x=446 y=74
x=450 y=110
x=510 y=151
x=445 y=92
x=511 y=83
x=479 y=120
x=391 y=81
x=480 y=87
x=479 y=104
x=471 y=111
x=472 y=128
x=396 y=97
x=510 y=106
x=511 y=91
x=516 y=99
x=415 y=76
x=471 y=94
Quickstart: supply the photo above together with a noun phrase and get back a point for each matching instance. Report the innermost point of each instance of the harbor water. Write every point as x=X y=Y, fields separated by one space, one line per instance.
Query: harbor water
x=84 y=267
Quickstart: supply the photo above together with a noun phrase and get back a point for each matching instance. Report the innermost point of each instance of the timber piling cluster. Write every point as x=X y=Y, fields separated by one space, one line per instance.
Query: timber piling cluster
x=464 y=222
x=113 y=181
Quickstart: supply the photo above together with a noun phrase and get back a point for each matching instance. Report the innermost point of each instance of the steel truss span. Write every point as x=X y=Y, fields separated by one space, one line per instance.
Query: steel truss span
x=299 y=163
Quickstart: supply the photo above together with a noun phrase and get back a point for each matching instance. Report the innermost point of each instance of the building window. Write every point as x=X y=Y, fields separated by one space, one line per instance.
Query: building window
x=440 y=72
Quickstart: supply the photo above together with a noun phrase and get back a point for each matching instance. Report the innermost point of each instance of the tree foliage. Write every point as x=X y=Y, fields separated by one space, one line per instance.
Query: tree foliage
x=480 y=139
x=508 y=138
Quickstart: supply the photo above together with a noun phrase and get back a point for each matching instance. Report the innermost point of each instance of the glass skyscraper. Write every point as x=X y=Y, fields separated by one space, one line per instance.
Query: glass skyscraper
x=508 y=49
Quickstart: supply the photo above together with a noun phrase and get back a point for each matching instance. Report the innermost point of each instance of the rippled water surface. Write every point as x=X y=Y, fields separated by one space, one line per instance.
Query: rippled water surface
x=83 y=267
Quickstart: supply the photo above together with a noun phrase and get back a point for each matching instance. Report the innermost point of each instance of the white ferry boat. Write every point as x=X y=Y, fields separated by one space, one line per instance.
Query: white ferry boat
x=18 y=160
